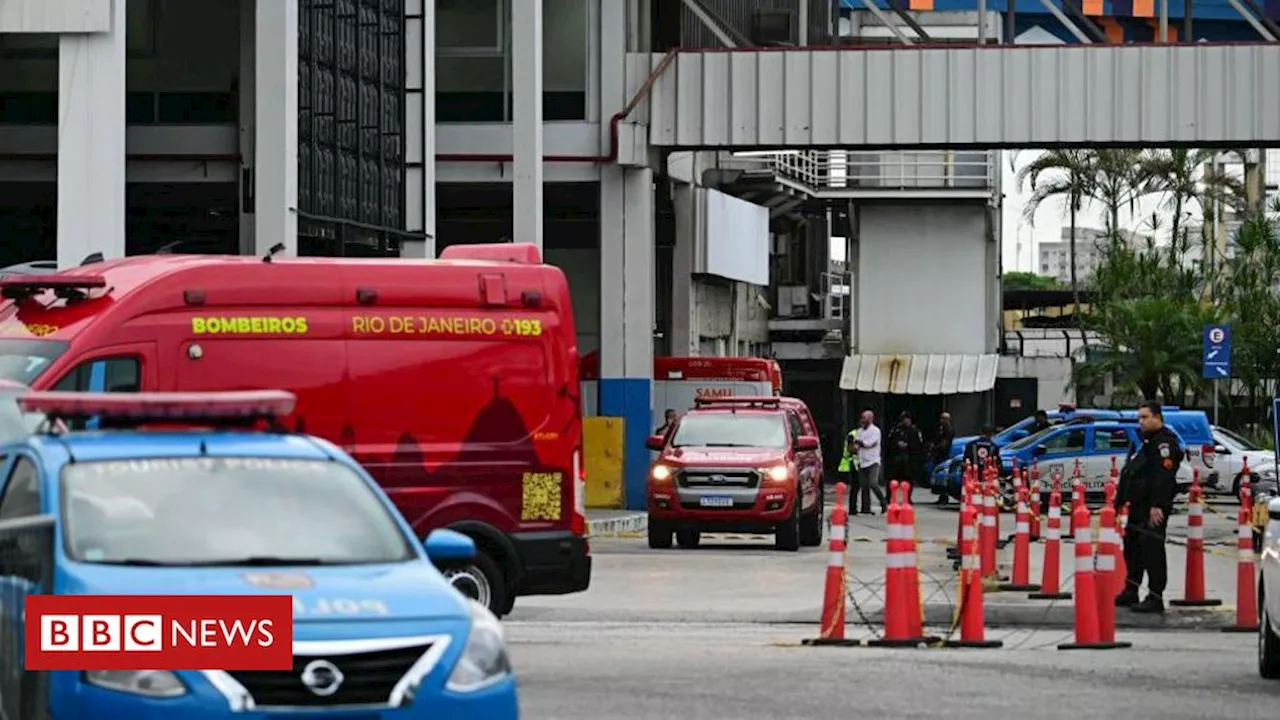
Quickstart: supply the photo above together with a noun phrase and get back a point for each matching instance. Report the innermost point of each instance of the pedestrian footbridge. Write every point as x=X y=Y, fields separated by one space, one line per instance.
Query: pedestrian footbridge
x=1197 y=95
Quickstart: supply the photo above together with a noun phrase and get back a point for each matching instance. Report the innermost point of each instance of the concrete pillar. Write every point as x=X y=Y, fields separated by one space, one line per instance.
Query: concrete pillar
x=684 y=306
x=275 y=119
x=248 y=97
x=626 y=314
x=420 y=47
x=526 y=76
x=91 y=142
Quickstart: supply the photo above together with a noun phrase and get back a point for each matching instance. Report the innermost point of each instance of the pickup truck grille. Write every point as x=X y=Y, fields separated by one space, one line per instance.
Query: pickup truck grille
x=736 y=478
x=368 y=678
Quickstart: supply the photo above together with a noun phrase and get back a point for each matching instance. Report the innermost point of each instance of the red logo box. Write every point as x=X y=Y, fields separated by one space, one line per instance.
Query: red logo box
x=159 y=632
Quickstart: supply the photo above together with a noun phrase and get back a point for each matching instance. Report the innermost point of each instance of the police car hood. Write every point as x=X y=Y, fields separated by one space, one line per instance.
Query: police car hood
x=723 y=456
x=393 y=592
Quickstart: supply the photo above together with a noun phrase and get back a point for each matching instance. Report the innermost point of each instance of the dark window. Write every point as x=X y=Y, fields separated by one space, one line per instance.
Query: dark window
x=21 y=492
x=122 y=374
x=1066 y=442
x=1108 y=440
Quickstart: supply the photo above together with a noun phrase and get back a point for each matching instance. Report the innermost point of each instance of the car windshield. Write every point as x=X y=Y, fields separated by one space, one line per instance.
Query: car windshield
x=1233 y=441
x=1032 y=439
x=22 y=361
x=755 y=430
x=226 y=511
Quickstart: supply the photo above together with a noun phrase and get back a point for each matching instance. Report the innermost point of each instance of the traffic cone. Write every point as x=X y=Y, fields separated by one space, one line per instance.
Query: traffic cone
x=1246 y=485
x=972 y=624
x=990 y=530
x=1050 y=578
x=1035 y=503
x=1108 y=582
x=1246 y=582
x=1193 y=594
x=1088 y=628
x=954 y=553
x=1077 y=484
x=897 y=614
x=911 y=569
x=833 y=596
x=1021 y=581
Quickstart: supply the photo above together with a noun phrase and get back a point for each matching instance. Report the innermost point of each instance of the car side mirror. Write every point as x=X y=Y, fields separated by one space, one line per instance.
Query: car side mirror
x=806 y=443
x=1221 y=450
x=656 y=442
x=447 y=548
x=1040 y=450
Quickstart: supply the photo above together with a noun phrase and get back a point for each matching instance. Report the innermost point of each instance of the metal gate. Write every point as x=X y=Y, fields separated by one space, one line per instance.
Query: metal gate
x=26 y=568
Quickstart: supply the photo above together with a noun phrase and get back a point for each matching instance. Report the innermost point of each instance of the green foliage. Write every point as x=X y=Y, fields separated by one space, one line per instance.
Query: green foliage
x=1152 y=301
x=1017 y=280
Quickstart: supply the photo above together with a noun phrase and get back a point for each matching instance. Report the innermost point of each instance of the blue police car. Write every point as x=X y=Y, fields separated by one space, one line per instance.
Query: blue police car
x=378 y=632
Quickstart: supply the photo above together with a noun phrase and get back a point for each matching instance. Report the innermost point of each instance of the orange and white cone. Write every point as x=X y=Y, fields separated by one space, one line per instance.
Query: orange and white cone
x=1021 y=580
x=990 y=532
x=1035 y=503
x=900 y=617
x=1246 y=580
x=1108 y=582
x=1051 y=575
x=1194 y=594
x=833 y=596
x=1088 y=632
x=972 y=622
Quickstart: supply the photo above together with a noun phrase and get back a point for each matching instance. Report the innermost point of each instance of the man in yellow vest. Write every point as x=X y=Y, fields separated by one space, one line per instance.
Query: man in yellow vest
x=848 y=470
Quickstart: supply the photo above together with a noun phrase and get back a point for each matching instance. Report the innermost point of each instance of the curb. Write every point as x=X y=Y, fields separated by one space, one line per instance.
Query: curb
x=622 y=526
x=1061 y=616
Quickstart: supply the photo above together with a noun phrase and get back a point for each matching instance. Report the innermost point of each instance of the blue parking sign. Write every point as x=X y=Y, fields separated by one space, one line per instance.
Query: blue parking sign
x=1217 y=352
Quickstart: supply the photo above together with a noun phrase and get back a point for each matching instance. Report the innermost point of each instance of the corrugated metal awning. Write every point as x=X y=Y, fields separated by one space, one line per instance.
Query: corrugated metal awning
x=919 y=374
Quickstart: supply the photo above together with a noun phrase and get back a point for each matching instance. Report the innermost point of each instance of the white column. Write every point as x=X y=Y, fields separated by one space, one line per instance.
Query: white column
x=91 y=142
x=526 y=76
x=684 y=317
x=275 y=182
x=420 y=98
x=248 y=98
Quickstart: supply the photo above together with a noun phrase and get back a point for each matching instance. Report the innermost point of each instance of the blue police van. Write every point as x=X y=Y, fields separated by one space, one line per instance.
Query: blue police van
x=210 y=506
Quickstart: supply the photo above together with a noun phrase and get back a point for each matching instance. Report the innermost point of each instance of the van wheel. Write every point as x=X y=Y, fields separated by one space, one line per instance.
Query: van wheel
x=787 y=536
x=659 y=535
x=483 y=582
x=1268 y=644
x=811 y=524
x=688 y=539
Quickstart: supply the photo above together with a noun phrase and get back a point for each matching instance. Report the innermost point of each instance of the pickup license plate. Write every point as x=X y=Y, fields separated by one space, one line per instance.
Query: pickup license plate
x=716 y=501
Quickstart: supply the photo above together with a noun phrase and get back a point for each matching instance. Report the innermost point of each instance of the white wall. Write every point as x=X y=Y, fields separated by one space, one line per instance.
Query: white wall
x=1054 y=375
x=925 y=280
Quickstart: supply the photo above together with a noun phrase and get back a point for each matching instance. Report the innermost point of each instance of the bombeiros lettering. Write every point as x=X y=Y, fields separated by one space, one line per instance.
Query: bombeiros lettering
x=250 y=325
x=445 y=326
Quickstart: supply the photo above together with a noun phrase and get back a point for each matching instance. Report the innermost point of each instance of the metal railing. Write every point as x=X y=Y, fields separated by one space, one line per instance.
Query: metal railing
x=26 y=568
x=835 y=172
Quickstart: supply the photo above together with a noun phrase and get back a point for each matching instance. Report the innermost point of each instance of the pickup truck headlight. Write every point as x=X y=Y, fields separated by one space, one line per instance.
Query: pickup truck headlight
x=148 y=683
x=484 y=660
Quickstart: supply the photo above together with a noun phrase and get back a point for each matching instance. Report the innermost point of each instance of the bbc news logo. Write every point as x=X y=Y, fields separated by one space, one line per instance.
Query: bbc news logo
x=184 y=632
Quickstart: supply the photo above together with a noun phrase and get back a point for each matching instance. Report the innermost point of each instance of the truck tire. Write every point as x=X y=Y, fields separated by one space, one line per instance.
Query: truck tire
x=787 y=535
x=659 y=535
x=811 y=524
x=484 y=582
x=688 y=539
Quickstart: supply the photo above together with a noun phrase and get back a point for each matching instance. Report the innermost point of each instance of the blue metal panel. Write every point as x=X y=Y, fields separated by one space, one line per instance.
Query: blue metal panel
x=629 y=399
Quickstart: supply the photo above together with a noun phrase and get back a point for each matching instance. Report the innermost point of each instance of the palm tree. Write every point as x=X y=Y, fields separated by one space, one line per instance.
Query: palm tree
x=1065 y=174
x=1117 y=182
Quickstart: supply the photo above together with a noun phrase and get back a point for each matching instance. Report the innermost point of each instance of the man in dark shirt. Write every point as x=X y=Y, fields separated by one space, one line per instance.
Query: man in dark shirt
x=906 y=451
x=1149 y=484
x=668 y=422
x=1041 y=422
x=940 y=452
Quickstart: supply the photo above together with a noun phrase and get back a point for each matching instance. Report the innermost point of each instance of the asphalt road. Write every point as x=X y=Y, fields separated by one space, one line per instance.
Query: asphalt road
x=714 y=633
x=635 y=671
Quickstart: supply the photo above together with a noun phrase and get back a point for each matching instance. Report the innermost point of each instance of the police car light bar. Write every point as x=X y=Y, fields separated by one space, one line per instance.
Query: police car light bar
x=20 y=287
x=161 y=406
x=737 y=400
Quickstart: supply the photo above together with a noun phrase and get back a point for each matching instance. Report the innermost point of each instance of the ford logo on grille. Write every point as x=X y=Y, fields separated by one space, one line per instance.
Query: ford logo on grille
x=718 y=479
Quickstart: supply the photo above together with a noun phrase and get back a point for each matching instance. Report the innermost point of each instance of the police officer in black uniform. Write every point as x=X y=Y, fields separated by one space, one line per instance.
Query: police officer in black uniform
x=1149 y=484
